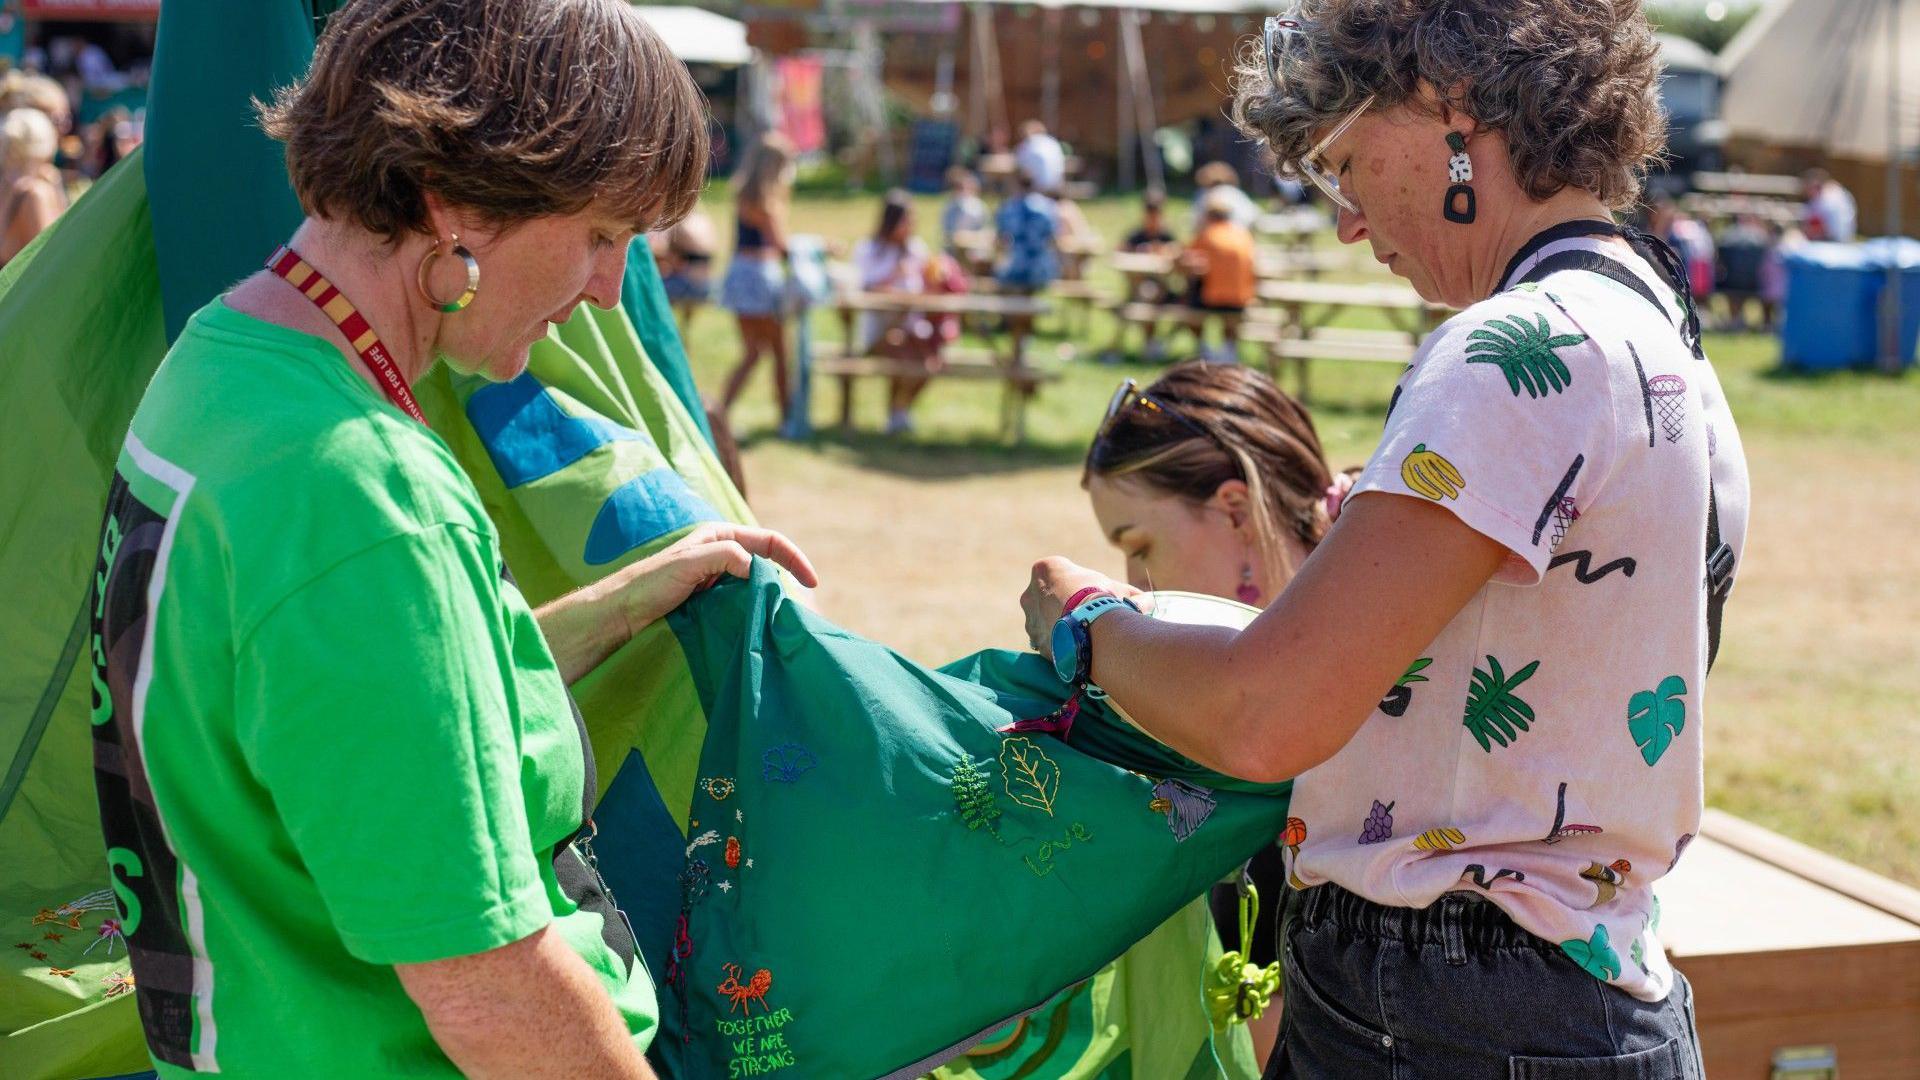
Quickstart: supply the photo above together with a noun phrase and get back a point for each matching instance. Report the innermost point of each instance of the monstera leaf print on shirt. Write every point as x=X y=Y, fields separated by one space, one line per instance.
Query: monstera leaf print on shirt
x=1524 y=354
x=1595 y=954
x=1654 y=717
x=1495 y=714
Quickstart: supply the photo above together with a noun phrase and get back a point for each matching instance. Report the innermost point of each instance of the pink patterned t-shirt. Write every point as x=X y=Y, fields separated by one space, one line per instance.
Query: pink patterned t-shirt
x=1545 y=749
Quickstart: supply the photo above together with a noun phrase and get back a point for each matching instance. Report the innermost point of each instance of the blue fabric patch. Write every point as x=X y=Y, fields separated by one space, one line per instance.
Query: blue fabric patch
x=529 y=437
x=648 y=506
x=644 y=865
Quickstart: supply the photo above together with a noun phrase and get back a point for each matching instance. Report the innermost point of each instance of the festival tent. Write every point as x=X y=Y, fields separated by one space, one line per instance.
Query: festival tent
x=594 y=458
x=1841 y=77
x=698 y=36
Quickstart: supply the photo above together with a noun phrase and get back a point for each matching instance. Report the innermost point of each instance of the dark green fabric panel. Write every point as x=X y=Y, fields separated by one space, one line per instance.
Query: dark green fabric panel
x=835 y=869
x=645 y=300
x=217 y=183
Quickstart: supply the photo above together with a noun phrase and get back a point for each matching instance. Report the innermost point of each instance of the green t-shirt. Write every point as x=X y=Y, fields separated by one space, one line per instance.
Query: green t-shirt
x=329 y=737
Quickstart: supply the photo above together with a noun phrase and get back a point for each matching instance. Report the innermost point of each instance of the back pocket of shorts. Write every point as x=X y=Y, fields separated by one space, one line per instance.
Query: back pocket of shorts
x=1662 y=1062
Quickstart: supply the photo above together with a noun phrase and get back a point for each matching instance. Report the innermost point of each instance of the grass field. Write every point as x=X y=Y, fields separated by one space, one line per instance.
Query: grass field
x=1814 y=723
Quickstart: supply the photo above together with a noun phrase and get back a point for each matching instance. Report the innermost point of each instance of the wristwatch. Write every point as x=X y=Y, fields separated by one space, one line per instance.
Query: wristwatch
x=1073 y=645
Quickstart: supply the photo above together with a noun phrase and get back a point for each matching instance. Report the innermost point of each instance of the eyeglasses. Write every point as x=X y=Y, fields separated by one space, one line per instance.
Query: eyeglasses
x=1129 y=395
x=1280 y=33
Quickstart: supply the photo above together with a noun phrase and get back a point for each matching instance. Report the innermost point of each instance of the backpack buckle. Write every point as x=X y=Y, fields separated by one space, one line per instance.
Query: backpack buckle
x=1720 y=566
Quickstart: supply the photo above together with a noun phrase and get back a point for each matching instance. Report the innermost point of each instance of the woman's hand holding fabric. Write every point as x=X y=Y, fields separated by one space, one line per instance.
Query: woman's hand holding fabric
x=1055 y=580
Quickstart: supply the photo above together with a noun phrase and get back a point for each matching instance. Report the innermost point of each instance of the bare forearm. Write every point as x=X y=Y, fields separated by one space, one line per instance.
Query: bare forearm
x=530 y=1009
x=585 y=626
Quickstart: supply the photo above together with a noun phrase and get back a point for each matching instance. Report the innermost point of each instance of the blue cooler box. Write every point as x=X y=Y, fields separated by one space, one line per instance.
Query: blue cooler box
x=1903 y=252
x=1833 y=306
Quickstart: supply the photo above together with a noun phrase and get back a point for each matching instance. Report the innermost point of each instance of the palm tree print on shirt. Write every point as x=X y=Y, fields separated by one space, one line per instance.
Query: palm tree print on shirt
x=1495 y=714
x=1524 y=353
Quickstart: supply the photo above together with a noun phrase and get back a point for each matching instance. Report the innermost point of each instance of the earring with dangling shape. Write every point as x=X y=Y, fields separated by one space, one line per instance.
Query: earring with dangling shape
x=1247 y=592
x=1460 y=175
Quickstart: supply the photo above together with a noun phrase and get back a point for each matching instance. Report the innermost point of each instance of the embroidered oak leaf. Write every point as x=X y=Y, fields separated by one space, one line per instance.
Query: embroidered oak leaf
x=1031 y=778
x=1654 y=717
x=1595 y=955
x=1494 y=713
x=1525 y=354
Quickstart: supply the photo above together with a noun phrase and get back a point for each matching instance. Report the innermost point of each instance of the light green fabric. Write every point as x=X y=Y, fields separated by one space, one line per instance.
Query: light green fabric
x=72 y=384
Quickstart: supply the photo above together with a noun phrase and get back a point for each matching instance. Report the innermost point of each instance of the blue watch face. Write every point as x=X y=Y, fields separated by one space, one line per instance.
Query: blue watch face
x=1066 y=651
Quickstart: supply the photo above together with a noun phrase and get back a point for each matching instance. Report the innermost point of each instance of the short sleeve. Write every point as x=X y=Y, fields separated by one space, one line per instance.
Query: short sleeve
x=374 y=706
x=1506 y=418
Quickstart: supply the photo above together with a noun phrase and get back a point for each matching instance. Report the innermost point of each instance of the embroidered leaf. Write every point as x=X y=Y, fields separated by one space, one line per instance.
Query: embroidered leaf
x=786 y=763
x=1494 y=713
x=1525 y=354
x=979 y=807
x=1654 y=717
x=1030 y=776
x=1594 y=955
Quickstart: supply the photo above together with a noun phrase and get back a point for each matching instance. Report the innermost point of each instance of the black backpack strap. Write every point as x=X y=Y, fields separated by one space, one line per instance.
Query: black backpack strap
x=1720 y=558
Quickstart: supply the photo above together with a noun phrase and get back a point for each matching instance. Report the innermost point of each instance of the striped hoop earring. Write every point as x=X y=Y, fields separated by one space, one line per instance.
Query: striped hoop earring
x=467 y=294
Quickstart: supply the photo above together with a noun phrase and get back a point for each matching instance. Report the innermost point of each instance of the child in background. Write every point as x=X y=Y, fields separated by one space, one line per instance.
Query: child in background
x=1220 y=177
x=964 y=212
x=1152 y=236
x=1219 y=268
x=1029 y=228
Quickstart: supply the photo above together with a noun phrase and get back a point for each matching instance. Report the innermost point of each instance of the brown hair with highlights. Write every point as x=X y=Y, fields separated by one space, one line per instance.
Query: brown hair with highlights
x=511 y=109
x=1255 y=433
x=1572 y=84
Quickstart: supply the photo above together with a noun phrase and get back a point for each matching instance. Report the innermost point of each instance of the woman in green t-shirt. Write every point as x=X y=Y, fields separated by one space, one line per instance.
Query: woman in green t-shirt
x=344 y=791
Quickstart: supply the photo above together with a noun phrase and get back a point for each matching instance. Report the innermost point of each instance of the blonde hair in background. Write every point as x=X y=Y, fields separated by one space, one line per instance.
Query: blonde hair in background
x=763 y=180
x=25 y=90
x=27 y=138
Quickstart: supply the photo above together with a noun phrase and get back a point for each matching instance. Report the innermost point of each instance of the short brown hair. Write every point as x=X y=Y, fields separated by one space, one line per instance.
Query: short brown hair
x=512 y=109
x=1572 y=84
x=1255 y=433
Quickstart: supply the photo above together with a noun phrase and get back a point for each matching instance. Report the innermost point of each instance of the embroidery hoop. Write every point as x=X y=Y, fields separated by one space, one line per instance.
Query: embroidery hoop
x=1191 y=609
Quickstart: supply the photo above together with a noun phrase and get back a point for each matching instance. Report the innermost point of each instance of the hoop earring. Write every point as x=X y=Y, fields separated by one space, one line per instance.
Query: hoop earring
x=1460 y=173
x=467 y=294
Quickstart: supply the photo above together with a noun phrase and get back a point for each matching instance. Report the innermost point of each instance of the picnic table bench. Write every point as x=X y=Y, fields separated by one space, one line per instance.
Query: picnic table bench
x=1014 y=313
x=1306 y=308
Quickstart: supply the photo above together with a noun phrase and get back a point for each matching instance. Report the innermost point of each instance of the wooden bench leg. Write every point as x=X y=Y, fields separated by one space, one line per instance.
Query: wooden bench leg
x=1300 y=379
x=846 y=401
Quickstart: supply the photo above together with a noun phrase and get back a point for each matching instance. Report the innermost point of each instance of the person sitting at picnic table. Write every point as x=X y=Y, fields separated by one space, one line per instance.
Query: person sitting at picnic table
x=1223 y=179
x=1152 y=236
x=346 y=796
x=1212 y=480
x=1830 y=212
x=894 y=260
x=1040 y=157
x=1218 y=262
x=684 y=254
x=1487 y=679
x=1027 y=229
x=965 y=211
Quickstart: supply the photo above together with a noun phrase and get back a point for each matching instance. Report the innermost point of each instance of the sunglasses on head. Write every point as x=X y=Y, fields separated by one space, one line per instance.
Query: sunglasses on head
x=1130 y=396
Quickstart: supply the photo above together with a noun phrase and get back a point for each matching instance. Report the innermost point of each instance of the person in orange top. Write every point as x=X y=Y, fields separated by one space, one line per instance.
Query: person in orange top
x=1219 y=267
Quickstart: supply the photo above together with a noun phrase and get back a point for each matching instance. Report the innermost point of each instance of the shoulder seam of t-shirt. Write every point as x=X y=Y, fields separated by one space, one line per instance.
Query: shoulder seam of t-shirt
x=244 y=636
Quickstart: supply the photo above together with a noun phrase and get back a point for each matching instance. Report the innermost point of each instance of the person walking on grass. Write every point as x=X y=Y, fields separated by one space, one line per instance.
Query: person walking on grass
x=755 y=288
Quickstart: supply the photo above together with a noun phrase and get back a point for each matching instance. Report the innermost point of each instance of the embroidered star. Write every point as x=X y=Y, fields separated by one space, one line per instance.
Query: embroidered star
x=37 y=954
x=726 y=886
x=739 y=815
x=65 y=973
x=749 y=864
x=53 y=936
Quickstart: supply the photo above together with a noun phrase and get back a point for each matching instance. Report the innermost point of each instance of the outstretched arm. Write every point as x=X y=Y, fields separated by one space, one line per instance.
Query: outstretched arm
x=1273 y=700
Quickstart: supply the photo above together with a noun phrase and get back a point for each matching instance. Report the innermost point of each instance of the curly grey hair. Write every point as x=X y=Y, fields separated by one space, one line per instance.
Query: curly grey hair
x=1572 y=84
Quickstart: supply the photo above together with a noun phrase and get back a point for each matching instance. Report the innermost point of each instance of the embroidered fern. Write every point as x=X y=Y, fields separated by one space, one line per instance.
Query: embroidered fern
x=978 y=806
x=1525 y=354
x=1495 y=714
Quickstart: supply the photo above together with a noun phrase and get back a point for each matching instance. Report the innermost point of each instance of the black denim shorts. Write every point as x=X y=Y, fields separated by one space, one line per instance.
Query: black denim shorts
x=1458 y=991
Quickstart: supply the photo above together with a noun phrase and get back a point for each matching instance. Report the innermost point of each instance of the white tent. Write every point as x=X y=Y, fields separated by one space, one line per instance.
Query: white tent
x=698 y=36
x=1827 y=73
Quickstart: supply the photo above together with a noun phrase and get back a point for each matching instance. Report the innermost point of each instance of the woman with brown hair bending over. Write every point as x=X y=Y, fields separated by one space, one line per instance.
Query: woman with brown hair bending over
x=346 y=796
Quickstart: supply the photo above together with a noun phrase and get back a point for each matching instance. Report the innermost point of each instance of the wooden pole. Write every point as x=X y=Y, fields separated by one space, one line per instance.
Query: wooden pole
x=1890 y=359
x=1141 y=90
x=1123 y=128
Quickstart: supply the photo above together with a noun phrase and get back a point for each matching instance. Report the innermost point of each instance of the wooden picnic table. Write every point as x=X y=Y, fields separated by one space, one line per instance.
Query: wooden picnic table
x=1307 y=308
x=1294 y=228
x=1015 y=314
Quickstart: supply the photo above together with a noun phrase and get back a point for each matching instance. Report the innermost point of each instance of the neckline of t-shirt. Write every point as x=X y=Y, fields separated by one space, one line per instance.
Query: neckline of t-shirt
x=223 y=317
x=1632 y=260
